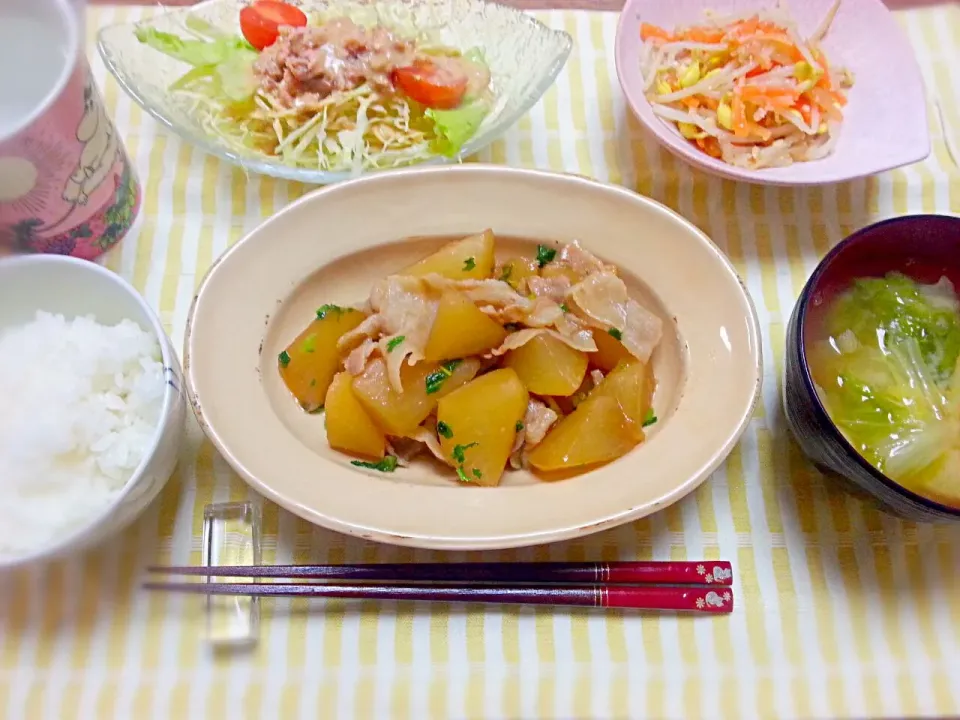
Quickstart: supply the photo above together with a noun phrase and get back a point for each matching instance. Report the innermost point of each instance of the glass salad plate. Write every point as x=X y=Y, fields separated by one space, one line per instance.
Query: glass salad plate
x=523 y=55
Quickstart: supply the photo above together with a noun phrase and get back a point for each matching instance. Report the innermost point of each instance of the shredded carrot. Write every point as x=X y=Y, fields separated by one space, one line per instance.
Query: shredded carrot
x=703 y=35
x=771 y=81
x=652 y=32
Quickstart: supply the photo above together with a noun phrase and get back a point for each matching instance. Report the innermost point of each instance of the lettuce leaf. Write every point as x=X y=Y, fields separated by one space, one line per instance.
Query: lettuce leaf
x=455 y=127
x=226 y=61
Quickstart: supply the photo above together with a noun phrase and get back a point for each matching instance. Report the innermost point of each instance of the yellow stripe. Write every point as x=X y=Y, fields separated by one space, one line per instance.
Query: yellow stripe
x=105 y=701
x=437 y=698
x=143 y=700
x=35 y=705
x=365 y=693
x=655 y=696
x=150 y=211
x=605 y=90
x=671 y=178
x=238 y=205
x=950 y=578
x=790 y=624
x=51 y=614
x=826 y=630
x=771 y=471
x=751 y=598
x=856 y=618
x=399 y=699
x=252 y=702
x=327 y=698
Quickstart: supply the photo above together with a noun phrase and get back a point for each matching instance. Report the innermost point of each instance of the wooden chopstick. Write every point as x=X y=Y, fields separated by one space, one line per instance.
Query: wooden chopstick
x=651 y=598
x=705 y=572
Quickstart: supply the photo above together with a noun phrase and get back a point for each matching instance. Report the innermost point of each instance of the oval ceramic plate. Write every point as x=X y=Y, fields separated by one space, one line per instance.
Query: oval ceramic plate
x=881 y=129
x=331 y=245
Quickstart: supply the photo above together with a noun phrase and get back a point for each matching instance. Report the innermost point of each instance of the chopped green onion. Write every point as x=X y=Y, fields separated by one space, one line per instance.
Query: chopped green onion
x=462 y=475
x=650 y=418
x=469 y=264
x=387 y=465
x=444 y=430
x=436 y=379
x=324 y=310
x=458 y=452
x=545 y=255
x=477 y=474
x=616 y=333
x=506 y=273
x=520 y=426
x=392 y=344
x=284 y=359
x=310 y=344
x=563 y=306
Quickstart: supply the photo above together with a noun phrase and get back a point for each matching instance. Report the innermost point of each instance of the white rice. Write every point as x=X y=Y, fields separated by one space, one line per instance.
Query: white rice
x=80 y=403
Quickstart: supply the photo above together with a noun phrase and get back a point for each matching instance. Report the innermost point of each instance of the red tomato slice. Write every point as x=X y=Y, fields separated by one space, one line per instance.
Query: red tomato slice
x=260 y=22
x=429 y=84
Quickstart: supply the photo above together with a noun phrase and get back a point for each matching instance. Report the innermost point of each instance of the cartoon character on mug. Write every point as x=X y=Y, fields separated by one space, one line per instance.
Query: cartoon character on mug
x=100 y=149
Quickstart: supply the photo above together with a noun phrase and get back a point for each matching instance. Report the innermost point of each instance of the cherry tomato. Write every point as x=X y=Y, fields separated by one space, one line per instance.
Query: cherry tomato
x=431 y=85
x=260 y=22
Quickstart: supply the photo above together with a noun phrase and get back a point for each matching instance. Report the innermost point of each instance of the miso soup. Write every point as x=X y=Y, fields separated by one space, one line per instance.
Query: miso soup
x=884 y=359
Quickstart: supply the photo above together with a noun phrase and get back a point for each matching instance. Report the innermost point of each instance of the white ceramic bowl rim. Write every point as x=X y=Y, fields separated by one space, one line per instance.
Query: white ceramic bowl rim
x=166 y=350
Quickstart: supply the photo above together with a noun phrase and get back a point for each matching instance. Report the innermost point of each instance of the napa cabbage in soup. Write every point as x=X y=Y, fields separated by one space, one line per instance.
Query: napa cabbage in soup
x=885 y=365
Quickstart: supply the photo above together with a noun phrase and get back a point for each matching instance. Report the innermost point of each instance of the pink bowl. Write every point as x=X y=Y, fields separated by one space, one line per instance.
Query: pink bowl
x=885 y=122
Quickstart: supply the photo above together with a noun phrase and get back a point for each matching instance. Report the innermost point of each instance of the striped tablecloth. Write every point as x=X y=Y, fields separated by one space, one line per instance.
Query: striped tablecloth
x=843 y=611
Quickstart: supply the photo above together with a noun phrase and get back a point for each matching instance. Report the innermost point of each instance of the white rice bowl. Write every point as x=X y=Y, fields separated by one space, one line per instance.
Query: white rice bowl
x=82 y=404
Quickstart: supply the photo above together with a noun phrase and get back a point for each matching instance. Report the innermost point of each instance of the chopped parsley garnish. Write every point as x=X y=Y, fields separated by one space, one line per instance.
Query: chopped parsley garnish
x=459 y=458
x=388 y=464
x=284 y=359
x=616 y=333
x=325 y=310
x=512 y=327
x=435 y=380
x=459 y=450
x=310 y=344
x=506 y=273
x=469 y=264
x=650 y=418
x=563 y=306
x=520 y=426
x=545 y=255
x=392 y=344
x=444 y=430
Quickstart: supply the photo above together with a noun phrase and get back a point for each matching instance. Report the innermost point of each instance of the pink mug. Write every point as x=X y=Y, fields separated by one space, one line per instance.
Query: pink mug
x=66 y=184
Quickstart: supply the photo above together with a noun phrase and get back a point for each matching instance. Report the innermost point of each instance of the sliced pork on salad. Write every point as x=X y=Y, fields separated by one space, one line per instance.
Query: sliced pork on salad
x=327 y=93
